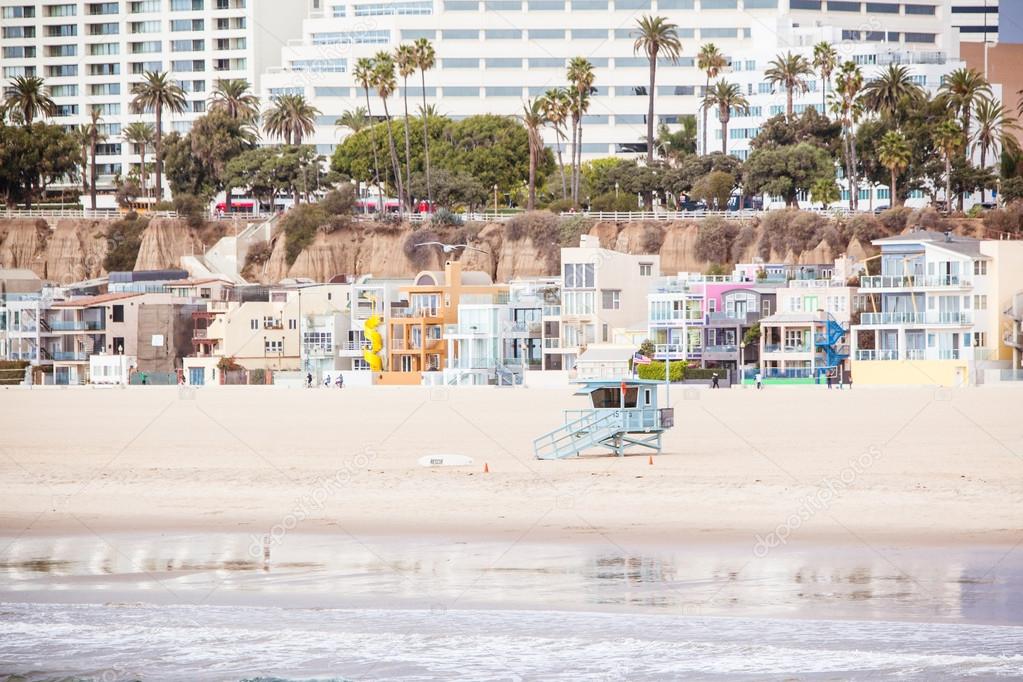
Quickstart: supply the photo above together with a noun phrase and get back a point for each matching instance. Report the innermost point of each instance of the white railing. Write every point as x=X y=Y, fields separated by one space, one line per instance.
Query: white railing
x=78 y=213
x=912 y=281
x=922 y=318
x=878 y=354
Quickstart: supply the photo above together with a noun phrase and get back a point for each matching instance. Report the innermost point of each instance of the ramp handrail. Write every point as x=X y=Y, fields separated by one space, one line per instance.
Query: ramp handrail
x=572 y=431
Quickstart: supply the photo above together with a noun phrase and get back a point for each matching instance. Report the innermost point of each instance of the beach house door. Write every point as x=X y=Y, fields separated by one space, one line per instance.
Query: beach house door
x=197 y=376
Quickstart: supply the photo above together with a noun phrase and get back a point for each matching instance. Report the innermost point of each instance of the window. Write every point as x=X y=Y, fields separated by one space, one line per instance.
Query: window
x=980 y=267
x=578 y=275
x=273 y=346
x=117 y=313
x=253 y=324
x=980 y=339
x=611 y=299
x=646 y=269
x=292 y=324
x=980 y=302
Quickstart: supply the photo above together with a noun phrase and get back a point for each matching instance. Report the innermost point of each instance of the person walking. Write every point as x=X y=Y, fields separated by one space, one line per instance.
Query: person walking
x=340 y=380
x=829 y=380
x=714 y=380
x=760 y=380
x=309 y=380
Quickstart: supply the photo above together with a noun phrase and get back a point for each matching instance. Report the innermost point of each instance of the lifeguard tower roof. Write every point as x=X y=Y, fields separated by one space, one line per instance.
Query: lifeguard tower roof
x=587 y=386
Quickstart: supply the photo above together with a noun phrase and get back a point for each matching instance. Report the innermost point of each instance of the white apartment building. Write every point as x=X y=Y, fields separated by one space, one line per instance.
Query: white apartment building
x=493 y=54
x=977 y=20
x=601 y=291
x=91 y=53
x=928 y=55
x=940 y=311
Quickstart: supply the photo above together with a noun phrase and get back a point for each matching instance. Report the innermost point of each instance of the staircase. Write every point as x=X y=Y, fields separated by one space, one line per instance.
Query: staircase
x=828 y=342
x=506 y=376
x=592 y=429
x=226 y=258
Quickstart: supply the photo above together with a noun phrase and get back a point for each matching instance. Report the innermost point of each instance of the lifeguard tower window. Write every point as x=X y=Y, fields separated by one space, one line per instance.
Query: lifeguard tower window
x=611 y=398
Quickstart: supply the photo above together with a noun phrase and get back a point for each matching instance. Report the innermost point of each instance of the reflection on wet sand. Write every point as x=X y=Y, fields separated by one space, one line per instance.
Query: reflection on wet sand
x=919 y=584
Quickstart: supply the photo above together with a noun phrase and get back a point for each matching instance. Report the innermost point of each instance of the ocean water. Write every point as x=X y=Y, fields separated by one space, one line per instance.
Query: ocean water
x=205 y=607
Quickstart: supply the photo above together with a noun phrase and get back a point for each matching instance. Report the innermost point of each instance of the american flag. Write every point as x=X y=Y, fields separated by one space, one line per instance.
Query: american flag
x=640 y=359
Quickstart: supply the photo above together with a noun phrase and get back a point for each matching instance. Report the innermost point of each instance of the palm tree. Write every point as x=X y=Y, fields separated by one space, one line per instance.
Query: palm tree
x=234 y=98
x=893 y=92
x=385 y=84
x=155 y=93
x=825 y=60
x=726 y=97
x=29 y=96
x=996 y=130
x=894 y=154
x=141 y=135
x=405 y=58
x=425 y=60
x=81 y=138
x=711 y=61
x=581 y=77
x=534 y=120
x=961 y=91
x=290 y=117
x=656 y=35
x=556 y=104
x=948 y=137
x=354 y=119
x=363 y=75
x=95 y=136
x=789 y=71
x=847 y=104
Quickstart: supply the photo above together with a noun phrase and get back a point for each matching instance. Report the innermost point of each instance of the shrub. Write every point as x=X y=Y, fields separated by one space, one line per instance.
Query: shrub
x=228 y=364
x=190 y=208
x=743 y=239
x=258 y=377
x=258 y=254
x=127 y=193
x=124 y=237
x=714 y=240
x=716 y=270
x=653 y=239
x=895 y=219
x=1008 y=219
x=929 y=218
x=1012 y=189
x=865 y=228
x=791 y=230
x=443 y=217
x=419 y=255
x=540 y=226
x=571 y=228
x=300 y=226
x=163 y=206
x=561 y=206
x=655 y=371
x=975 y=211
x=608 y=202
x=340 y=201
x=714 y=188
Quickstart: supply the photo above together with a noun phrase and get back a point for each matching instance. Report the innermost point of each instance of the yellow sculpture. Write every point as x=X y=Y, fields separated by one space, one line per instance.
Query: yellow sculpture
x=372 y=354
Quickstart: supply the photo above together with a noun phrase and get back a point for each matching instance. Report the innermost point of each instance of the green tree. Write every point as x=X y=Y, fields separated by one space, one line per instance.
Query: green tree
x=893 y=92
x=948 y=137
x=290 y=117
x=141 y=136
x=556 y=105
x=715 y=189
x=425 y=60
x=673 y=146
x=405 y=59
x=385 y=84
x=847 y=103
x=894 y=154
x=33 y=157
x=825 y=60
x=961 y=90
x=580 y=77
x=29 y=96
x=824 y=191
x=95 y=135
x=656 y=36
x=727 y=97
x=197 y=162
x=533 y=119
x=789 y=71
x=155 y=93
x=786 y=171
x=363 y=75
x=711 y=61
x=810 y=126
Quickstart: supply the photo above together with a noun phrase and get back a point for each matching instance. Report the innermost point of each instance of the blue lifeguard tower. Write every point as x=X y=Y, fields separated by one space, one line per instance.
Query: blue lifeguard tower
x=624 y=415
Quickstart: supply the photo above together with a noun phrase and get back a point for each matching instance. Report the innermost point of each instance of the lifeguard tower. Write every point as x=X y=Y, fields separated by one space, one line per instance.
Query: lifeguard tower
x=624 y=415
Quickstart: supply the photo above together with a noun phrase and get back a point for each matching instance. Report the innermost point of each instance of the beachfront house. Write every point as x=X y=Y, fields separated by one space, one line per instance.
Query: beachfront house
x=601 y=291
x=937 y=312
x=733 y=310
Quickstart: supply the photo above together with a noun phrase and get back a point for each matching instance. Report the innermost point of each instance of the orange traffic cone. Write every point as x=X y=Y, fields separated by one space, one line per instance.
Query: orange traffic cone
x=651 y=460
x=486 y=468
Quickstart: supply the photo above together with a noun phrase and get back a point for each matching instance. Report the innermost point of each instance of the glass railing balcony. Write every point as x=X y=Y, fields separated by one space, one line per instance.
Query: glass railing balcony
x=70 y=357
x=721 y=348
x=787 y=348
x=929 y=318
x=77 y=325
x=913 y=281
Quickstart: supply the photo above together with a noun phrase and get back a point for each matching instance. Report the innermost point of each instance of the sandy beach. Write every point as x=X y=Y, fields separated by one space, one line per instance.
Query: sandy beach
x=780 y=466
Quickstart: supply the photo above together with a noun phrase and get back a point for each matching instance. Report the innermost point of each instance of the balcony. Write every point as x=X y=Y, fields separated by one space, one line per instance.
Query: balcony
x=729 y=348
x=66 y=356
x=552 y=311
x=788 y=348
x=318 y=350
x=677 y=319
x=1013 y=338
x=200 y=334
x=522 y=329
x=872 y=282
x=77 y=325
x=928 y=318
x=414 y=313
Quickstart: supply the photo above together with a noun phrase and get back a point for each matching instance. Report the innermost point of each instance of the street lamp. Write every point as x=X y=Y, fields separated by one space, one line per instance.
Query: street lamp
x=495 y=199
x=742 y=360
x=616 y=190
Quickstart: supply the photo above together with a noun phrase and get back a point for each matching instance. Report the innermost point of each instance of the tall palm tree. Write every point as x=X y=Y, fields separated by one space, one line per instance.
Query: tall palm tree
x=711 y=61
x=95 y=137
x=825 y=60
x=847 y=104
x=385 y=84
x=141 y=135
x=234 y=98
x=948 y=137
x=29 y=96
x=405 y=58
x=894 y=154
x=155 y=93
x=996 y=130
x=893 y=93
x=789 y=71
x=290 y=117
x=534 y=120
x=425 y=60
x=556 y=104
x=81 y=138
x=656 y=35
x=363 y=74
x=354 y=119
x=961 y=91
x=726 y=97
x=581 y=77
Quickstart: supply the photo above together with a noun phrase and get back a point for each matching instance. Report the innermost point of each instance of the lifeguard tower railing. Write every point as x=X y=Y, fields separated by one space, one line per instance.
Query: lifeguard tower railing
x=615 y=429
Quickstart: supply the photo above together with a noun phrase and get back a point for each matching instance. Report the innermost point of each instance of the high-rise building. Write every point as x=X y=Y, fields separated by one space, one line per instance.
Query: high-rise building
x=91 y=53
x=493 y=54
x=977 y=20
